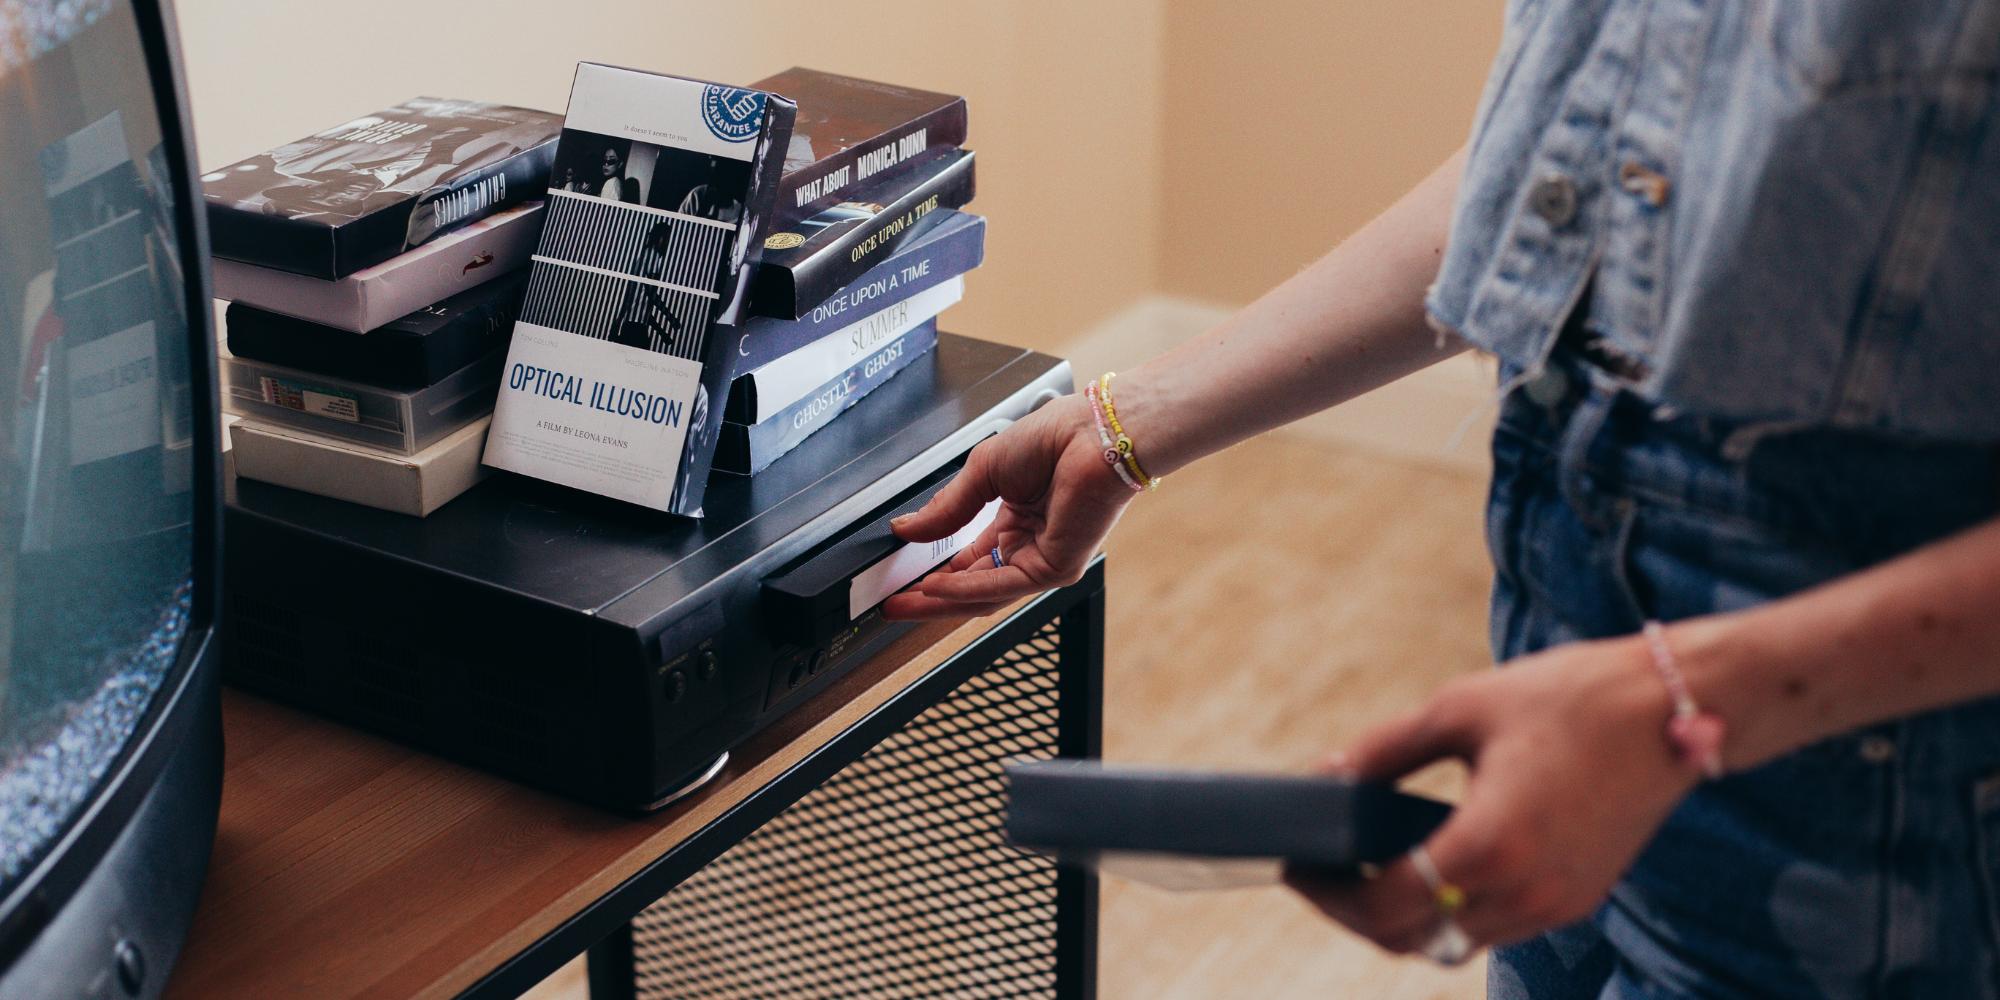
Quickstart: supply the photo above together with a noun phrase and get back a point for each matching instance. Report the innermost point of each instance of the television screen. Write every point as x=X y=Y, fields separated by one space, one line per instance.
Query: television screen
x=97 y=421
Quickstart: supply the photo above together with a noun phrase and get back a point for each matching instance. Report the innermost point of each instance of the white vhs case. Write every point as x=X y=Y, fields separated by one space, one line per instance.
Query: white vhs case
x=378 y=295
x=414 y=484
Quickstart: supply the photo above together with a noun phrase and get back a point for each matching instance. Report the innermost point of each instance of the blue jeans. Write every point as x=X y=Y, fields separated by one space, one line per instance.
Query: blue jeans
x=1866 y=865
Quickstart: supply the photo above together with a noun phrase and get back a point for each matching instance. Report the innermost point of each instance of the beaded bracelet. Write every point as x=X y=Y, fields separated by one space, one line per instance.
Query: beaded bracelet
x=1120 y=441
x=1695 y=734
x=1111 y=456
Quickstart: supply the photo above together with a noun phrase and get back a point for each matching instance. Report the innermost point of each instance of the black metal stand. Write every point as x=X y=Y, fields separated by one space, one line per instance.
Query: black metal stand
x=610 y=966
x=912 y=787
x=1082 y=736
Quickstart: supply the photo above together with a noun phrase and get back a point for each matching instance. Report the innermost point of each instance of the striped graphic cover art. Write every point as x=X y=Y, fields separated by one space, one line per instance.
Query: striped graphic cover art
x=616 y=372
x=603 y=266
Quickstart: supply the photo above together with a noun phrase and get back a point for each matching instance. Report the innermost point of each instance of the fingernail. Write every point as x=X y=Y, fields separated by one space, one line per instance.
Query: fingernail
x=899 y=520
x=1337 y=761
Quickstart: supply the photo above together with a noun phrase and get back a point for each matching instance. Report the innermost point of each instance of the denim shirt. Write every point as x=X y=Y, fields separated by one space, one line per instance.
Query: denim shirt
x=1787 y=211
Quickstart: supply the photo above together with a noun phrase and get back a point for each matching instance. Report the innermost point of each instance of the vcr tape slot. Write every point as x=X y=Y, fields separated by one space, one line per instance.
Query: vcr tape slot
x=825 y=593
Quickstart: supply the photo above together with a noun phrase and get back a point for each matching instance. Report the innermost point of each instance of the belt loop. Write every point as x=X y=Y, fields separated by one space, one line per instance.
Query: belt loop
x=1573 y=455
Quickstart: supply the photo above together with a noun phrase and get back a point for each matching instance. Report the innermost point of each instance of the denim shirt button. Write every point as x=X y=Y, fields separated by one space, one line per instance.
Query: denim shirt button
x=1554 y=199
x=1647 y=184
x=1878 y=749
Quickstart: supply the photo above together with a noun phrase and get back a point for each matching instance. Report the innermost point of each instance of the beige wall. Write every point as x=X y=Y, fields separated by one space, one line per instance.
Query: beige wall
x=1288 y=125
x=1127 y=147
x=1063 y=96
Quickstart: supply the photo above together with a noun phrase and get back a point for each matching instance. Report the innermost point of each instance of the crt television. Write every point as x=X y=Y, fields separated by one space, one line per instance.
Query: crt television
x=110 y=738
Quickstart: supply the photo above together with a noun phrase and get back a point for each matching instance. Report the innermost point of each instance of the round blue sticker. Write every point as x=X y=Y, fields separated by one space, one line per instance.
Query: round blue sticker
x=732 y=113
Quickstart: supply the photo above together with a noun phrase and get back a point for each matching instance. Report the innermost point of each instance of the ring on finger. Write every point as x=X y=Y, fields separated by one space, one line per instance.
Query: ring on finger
x=1449 y=944
x=997 y=561
x=1446 y=896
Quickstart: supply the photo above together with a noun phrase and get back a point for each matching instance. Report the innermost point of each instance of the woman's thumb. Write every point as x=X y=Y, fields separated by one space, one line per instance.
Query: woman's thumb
x=1400 y=746
x=954 y=505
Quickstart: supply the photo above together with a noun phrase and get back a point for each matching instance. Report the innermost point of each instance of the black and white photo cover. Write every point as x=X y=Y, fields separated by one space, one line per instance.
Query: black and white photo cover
x=615 y=370
x=644 y=173
x=383 y=183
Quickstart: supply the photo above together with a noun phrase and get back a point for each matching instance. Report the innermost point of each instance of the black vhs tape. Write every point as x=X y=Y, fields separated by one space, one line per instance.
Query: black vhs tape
x=366 y=190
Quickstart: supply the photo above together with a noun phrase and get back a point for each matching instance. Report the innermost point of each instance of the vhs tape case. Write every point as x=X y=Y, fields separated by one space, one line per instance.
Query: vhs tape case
x=616 y=375
x=369 y=189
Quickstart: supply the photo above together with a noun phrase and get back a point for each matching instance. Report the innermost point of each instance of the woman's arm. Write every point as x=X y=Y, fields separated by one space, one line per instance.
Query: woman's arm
x=1572 y=771
x=1916 y=633
x=1351 y=321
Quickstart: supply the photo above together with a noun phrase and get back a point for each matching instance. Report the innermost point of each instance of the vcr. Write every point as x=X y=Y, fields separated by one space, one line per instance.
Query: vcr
x=596 y=649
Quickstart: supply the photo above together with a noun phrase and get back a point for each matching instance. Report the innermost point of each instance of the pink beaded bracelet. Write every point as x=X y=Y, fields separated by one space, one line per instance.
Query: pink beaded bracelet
x=1696 y=735
x=1112 y=456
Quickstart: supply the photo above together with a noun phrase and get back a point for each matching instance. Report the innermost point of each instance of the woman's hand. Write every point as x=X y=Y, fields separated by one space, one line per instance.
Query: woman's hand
x=1059 y=501
x=1571 y=776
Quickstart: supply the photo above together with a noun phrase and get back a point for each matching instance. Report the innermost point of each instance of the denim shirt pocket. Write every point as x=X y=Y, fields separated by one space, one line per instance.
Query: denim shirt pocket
x=1865 y=117
x=1835 y=47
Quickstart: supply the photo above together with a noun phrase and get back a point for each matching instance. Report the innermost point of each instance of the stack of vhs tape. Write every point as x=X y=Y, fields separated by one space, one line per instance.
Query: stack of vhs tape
x=373 y=272
x=725 y=270
x=866 y=247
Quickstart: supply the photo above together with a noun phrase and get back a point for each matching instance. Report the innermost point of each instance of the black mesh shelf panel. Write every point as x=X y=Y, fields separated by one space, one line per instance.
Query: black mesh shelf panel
x=889 y=880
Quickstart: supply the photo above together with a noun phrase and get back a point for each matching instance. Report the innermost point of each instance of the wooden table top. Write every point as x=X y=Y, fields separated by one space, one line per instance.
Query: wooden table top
x=348 y=865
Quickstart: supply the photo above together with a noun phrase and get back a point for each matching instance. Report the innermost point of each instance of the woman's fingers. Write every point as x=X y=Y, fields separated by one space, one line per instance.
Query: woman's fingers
x=1046 y=530
x=1514 y=887
x=980 y=551
x=1394 y=909
x=1403 y=745
x=954 y=600
x=954 y=505
x=1402 y=916
x=911 y=605
x=1399 y=909
x=1003 y=583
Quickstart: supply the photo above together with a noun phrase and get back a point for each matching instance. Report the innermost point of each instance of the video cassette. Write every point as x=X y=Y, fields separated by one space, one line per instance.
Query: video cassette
x=369 y=298
x=404 y=421
x=815 y=258
x=849 y=130
x=952 y=246
x=373 y=187
x=619 y=364
x=407 y=484
x=748 y=449
x=769 y=389
x=417 y=350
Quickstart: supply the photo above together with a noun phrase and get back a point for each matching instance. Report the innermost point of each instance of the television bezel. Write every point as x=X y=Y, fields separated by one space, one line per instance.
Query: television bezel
x=72 y=855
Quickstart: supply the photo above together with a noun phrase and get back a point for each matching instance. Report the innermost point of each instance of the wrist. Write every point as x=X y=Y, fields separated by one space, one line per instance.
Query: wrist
x=1640 y=703
x=1080 y=422
x=1146 y=417
x=1767 y=717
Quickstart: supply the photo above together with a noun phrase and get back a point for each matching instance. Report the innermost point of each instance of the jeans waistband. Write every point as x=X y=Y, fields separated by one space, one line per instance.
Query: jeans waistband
x=1871 y=496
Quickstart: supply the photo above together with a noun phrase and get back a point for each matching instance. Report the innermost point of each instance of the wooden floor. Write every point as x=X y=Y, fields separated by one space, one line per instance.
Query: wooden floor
x=1266 y=606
